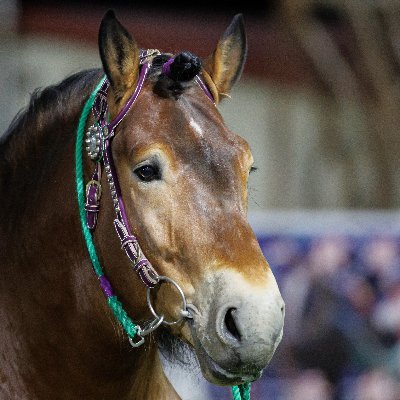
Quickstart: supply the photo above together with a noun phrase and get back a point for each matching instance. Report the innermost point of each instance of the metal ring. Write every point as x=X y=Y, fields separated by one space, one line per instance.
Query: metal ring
x=183 y=310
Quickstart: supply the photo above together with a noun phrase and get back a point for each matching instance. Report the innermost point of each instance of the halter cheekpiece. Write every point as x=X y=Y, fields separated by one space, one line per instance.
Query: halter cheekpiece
x=98 y=140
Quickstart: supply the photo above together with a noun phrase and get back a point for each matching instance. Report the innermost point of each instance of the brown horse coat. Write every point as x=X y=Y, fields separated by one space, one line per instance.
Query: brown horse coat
x=59 y=340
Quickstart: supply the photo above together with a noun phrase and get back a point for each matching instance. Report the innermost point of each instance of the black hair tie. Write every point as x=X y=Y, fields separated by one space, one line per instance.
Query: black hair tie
x=183 y=67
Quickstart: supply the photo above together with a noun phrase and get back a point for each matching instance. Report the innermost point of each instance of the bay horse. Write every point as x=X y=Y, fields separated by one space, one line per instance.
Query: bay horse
x=178 y=185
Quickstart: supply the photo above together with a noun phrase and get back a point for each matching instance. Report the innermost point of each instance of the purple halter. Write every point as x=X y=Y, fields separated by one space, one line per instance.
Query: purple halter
x=103 y=154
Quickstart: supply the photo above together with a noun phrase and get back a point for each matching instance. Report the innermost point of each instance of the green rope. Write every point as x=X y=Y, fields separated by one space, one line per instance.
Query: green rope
x=80 y=186
x=241 y=392
x=115 y=305
x=121 y=315
x=236 y=393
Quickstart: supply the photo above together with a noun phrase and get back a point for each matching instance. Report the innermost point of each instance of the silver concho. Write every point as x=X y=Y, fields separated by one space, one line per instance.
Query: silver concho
x=93 y=141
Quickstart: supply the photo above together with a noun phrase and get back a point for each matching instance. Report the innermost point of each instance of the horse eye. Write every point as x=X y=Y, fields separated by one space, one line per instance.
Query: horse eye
x=148 y=173
x=253 y=169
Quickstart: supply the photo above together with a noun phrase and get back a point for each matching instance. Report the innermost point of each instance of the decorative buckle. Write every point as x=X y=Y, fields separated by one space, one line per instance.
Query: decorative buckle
x=93 y=141
x=92 y=205
x=97 y=184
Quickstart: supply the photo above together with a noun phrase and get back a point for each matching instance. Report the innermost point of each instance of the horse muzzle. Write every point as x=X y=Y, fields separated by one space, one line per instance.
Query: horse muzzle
x=237 y=326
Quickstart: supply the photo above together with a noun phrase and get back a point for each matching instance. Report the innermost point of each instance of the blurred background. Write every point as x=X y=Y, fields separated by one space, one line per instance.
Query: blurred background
x=319 y=103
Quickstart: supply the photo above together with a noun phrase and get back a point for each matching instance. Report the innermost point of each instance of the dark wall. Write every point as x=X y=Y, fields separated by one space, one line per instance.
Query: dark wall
x=254 y=8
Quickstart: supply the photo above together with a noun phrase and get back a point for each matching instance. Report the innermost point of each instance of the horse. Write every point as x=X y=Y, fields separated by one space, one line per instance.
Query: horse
x=178 y=185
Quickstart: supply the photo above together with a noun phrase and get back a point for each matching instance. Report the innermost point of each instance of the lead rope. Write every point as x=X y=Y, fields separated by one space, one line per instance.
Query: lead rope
x=130 y=328
x=240 y=392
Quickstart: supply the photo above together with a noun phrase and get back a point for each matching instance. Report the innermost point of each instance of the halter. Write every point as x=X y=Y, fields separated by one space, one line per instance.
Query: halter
x=98 y=145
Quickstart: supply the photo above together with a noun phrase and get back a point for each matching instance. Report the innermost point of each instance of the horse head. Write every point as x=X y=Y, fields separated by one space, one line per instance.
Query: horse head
x=183 y=177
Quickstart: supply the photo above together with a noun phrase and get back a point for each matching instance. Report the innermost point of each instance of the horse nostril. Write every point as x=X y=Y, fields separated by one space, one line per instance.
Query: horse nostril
x=231 y=324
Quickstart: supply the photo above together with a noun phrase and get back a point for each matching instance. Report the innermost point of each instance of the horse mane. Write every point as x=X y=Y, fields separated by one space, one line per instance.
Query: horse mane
x=47 y=108
x=35 y=143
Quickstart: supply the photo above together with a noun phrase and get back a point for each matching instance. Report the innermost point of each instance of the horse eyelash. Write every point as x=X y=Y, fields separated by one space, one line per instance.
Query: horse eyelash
x=253 y=169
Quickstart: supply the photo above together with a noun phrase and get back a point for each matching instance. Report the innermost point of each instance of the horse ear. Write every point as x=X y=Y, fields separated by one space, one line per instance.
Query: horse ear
x=120 y=57
x=225 y=65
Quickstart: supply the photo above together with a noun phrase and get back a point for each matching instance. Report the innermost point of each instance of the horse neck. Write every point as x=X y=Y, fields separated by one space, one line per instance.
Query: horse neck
x=60 y=317
x=36 y=160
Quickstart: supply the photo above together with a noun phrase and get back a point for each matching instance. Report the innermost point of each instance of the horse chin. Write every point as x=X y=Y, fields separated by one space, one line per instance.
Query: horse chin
x=217 y=375
x=178 y=350
x=222 y=375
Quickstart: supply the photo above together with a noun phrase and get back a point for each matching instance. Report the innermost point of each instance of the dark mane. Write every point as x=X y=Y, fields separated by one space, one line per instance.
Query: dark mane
x=35 y=144
x=47 y=107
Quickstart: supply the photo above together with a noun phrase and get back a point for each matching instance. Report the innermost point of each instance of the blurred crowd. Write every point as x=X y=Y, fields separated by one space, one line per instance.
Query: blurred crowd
x=342 y=326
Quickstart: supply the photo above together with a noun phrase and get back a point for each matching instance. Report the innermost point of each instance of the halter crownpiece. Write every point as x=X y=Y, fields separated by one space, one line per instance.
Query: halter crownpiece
x=166 y=68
